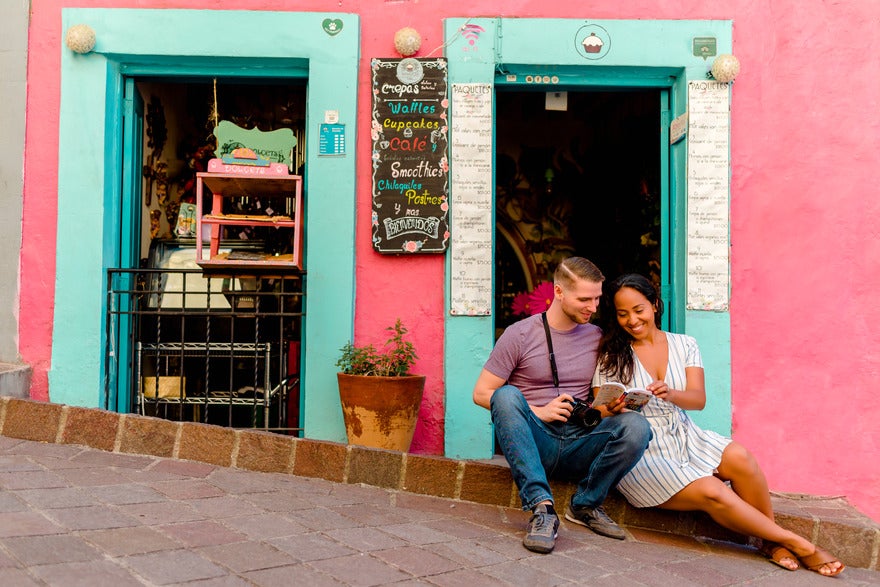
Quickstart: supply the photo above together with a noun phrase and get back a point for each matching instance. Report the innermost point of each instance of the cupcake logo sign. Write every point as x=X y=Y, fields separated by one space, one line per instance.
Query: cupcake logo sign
x=592 y=42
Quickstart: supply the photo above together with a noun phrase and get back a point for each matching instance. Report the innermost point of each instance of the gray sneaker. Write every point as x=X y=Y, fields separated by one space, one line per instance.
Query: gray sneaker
x=595 y=519
x=543 y=529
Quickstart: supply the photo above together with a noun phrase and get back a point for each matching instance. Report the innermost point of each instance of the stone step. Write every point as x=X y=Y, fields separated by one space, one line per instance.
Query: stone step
x=15 y=380
x=829 y=521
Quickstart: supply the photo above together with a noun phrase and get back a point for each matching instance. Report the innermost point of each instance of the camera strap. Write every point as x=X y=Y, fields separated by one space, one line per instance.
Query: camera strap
x=550 y=348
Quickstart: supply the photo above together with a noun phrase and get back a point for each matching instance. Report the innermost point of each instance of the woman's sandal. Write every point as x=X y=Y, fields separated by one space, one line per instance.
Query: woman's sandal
x=775 y=553
x=820 y=557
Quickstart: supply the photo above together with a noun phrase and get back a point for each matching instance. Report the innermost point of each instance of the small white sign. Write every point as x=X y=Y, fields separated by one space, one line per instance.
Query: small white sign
x=556 y=101
x=331 y=116
x=678 y=128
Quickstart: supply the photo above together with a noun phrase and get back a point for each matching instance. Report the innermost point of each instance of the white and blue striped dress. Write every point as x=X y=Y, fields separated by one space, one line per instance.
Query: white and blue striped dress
x=680 y=451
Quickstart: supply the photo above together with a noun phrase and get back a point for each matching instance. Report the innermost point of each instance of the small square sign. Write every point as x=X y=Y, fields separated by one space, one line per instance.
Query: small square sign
x=705 y=47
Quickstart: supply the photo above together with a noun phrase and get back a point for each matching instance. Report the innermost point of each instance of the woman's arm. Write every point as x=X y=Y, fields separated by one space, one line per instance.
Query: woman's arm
x=693 y=397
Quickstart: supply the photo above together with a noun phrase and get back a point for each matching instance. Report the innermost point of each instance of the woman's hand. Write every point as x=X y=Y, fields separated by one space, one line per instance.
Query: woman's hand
x=660 y=390
x=692 y=397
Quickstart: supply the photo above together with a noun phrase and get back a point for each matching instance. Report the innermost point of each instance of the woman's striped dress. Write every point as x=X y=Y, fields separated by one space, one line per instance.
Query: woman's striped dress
x=680 y=451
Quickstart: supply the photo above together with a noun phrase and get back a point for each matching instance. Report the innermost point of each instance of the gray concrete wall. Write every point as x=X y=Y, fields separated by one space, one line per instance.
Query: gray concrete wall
x=13 y=91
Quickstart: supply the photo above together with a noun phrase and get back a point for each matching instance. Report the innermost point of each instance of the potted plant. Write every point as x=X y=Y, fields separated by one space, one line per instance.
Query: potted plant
x=380 y=398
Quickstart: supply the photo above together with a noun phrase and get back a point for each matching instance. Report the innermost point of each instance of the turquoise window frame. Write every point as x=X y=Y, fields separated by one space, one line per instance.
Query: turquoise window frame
x=646 y=53
x=135 y=42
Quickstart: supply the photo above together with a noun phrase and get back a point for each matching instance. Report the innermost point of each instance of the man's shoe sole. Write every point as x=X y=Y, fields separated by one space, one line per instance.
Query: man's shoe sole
x=539 y=548
x=608 y=534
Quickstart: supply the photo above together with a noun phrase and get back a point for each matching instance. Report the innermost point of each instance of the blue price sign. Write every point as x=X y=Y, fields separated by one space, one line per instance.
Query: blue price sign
x=332 y=140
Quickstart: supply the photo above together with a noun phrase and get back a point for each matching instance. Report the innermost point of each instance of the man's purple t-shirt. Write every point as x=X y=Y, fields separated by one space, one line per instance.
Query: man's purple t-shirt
x=521 y=357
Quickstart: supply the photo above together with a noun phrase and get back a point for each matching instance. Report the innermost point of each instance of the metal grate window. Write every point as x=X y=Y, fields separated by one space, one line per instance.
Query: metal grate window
x=219 y=349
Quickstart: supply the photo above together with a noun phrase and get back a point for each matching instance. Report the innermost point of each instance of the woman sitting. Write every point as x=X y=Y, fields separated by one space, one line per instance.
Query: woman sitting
x=684 y=467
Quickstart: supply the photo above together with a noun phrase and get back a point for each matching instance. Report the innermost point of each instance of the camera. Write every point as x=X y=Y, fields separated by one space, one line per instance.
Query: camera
x=585 y=415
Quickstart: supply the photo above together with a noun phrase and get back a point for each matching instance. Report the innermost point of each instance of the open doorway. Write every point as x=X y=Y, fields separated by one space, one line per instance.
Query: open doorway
x=220 y=348
x=577 y=173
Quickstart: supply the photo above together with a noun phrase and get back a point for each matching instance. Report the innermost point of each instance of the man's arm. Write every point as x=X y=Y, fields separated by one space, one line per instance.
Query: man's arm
x=486 y=385
x=558 y=410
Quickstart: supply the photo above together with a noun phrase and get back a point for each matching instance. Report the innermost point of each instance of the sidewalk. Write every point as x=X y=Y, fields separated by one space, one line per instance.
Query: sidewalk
x=71 y=515
x=76 y=515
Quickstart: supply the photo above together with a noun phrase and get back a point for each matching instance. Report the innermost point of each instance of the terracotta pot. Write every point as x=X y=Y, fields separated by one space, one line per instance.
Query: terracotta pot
x=381 y=412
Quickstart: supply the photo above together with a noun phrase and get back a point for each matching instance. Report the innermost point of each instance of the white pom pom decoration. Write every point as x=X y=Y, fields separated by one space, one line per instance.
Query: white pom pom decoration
x=725 y=68
x=80 y=38
x=407 y=41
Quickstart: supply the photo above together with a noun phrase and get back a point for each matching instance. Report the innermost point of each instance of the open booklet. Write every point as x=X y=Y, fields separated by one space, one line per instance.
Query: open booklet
x=633 y=398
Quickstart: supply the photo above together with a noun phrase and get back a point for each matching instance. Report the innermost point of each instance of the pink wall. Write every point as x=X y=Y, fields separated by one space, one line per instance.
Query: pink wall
x=806 y=133
x=805 y=244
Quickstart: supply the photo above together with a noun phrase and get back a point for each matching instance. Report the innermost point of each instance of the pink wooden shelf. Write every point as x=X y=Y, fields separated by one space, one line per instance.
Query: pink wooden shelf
x=227 y=220
x=247 y=182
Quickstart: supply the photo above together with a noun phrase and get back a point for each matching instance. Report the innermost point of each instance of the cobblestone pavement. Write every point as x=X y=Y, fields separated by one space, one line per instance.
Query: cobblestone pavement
x=71 y=515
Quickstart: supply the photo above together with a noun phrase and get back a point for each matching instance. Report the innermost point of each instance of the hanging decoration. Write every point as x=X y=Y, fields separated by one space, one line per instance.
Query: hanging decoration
x=155 y=170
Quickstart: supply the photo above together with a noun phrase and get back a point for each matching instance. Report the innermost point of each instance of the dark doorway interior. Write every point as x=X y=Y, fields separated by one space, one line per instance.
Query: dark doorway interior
x=584 y=181
x=180 y=116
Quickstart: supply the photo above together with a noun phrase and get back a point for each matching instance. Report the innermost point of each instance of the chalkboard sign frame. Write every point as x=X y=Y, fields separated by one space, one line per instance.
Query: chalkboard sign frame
x=409 y=130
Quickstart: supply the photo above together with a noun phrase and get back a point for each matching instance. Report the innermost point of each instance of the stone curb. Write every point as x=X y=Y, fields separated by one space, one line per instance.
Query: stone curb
x=831 y=522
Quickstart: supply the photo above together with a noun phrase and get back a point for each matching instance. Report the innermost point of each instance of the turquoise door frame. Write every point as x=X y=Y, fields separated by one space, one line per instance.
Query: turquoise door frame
x=135 y=42
x=123 y=244
x=666 y=222
x=546 y=53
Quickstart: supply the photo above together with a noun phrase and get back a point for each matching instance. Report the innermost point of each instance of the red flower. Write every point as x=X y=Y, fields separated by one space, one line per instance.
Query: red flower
x=541 y=297
x=520 y=304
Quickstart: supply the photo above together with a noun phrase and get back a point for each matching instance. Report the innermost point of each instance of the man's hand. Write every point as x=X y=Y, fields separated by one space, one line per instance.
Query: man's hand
x=558 y=410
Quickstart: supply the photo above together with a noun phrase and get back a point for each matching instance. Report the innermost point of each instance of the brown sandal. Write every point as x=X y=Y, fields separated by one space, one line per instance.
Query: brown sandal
x=820 y=557
x=775 y=553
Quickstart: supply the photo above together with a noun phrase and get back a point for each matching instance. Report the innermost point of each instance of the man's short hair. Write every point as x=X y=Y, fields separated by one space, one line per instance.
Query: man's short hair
x=574 y=268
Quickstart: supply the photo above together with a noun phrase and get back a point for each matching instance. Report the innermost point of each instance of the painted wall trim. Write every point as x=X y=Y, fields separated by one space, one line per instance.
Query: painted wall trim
x=129 y=37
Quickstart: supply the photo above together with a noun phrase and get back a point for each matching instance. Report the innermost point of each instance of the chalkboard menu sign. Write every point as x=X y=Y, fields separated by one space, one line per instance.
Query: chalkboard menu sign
x=410 y=166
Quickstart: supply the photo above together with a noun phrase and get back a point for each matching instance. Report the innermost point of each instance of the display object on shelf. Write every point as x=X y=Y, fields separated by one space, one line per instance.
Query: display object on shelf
x=168 y=387
x=251 y=198
x=169 y=384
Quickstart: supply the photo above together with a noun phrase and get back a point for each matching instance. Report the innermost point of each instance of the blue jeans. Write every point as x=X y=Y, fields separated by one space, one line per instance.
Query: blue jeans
x=537 y=451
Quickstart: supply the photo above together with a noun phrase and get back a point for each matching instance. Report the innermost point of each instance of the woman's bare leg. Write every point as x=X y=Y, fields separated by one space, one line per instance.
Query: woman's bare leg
x=726 y=507
x=740 y=468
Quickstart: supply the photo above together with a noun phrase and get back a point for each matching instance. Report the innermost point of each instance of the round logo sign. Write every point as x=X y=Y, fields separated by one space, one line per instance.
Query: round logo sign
x=409 y=71
x=592 y=42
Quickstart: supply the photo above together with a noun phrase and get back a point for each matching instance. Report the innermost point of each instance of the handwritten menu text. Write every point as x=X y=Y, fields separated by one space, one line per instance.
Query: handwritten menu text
x=410 y=166
x=708 y=186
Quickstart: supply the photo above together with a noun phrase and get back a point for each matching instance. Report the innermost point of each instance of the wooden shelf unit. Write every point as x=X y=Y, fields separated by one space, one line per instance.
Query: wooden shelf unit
x=227 y=186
